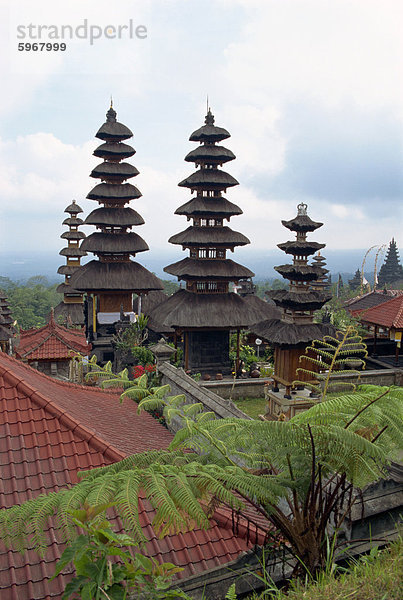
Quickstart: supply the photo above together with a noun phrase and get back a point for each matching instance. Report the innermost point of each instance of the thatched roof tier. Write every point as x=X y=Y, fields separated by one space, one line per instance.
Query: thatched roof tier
x=5 y=333
x=209 y=132
x=109 y=243
x=73 y=235
x=209 y=179
x=302 y=223
x=73 y=208
x=65 y=288
x=216 y=206
x=70 y=312
x=73 y=221
x=73 y=252
x=299 y=273
x=268 y=309
x=115 y=151
x=97 y=276
x=209 y=236
x=206 y=311
x=114 y=171
x=118 y=217
x=300 y=248
x=309 y=300
x=280 y=333
x=194 y=268
x=112 y=130
x=6 y=318
x=105 y=192
x=210 y=154
x=148 y=303
x=67 y=270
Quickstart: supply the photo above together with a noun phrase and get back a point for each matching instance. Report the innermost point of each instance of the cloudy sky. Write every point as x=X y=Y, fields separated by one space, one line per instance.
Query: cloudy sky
x=311 y=91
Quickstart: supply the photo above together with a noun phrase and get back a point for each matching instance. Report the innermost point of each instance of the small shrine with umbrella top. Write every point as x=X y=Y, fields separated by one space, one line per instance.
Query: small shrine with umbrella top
x=113 y=277
x=296 y=329
x=70 y=310
x=205 y=311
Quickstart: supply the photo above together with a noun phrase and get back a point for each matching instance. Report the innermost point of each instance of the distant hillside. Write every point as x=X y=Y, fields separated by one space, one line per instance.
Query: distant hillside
x=21 y=266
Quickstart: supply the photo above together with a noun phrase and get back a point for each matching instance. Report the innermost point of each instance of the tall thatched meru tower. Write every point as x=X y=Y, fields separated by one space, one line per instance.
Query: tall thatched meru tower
x=205 y=312
x=296 y=328
x=70 y=311
x=113 y=277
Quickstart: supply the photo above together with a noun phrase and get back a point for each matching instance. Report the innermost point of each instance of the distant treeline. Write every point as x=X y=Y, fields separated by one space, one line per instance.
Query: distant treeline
x=30 y=301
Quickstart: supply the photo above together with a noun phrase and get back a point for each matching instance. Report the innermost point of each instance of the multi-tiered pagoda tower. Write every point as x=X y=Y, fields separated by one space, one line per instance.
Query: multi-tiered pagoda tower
x=322 y=284
x=295 y=329
x=206 y=310
x=70 y=311
x=110 y=281
x=7 y=329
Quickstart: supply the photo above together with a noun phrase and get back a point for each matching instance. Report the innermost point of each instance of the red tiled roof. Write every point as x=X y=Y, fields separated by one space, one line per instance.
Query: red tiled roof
x=49 y=431
x=53 y=341
x=389 y=314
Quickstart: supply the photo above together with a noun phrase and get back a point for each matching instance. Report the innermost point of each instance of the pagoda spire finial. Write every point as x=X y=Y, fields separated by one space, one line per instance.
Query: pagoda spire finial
x=111 y=114
x=209 y=120
x=302 y=208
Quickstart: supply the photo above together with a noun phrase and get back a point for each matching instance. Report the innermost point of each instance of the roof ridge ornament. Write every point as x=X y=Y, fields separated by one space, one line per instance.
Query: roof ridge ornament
x=302 y=209
x=111 y=114
x=209 y=120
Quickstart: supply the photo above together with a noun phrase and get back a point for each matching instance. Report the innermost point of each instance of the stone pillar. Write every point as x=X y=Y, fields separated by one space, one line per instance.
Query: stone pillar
x=162 y=351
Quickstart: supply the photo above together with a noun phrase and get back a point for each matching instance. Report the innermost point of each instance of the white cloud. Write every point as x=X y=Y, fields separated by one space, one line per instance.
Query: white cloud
x=343 y=211
x=276 y=54
x=328 y=51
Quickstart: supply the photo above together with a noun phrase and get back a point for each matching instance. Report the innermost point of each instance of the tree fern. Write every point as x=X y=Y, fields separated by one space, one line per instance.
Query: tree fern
x=329 y=357
x=311 y=461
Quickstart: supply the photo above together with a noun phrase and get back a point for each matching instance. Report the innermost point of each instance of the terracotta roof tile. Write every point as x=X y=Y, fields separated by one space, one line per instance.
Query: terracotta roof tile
x=53 y=341
x=49 y=431
x=389 y=314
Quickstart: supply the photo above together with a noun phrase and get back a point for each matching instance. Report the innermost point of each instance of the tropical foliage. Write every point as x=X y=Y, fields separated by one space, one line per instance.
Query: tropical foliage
x=97 y=575
x=298 y=474
x=339 y=355
x=132 y=336
x=30 y=303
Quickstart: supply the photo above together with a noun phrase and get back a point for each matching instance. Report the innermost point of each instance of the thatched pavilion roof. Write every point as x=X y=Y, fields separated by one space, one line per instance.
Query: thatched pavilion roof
x=214 y=154
x=209 y=179
x=73 y=208
x=119 y=217
x=186 y=310
x=278 y=332
x=129 y=243
x=114 y=151
x=122 y=192
x=73 y=252
x=216 y=206
x=123 y=276
x=302 y=223
x=207 y=268
x=209 y=236
x=299 y=247
x=112 y=129
x=114 y=170
x=310 y=300
x=299 y=272
x=73 y=235
x=209 y=132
